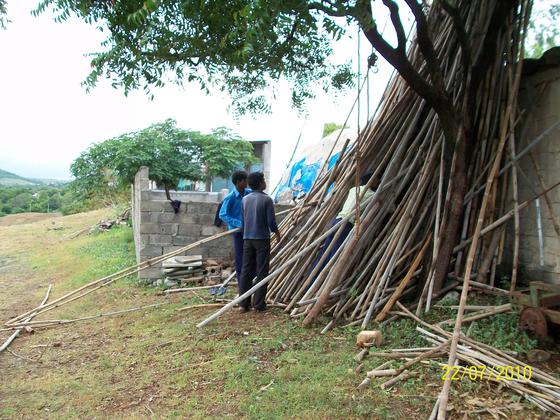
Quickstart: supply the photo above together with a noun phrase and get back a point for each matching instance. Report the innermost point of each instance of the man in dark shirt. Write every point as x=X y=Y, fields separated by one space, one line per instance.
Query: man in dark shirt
x=258 y=220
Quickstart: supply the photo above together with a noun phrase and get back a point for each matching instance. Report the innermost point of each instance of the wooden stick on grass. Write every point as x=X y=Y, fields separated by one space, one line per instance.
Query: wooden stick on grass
x=29 y=318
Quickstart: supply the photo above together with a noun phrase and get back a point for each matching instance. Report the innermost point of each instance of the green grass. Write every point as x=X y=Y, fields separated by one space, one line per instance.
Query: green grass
x=255 y=366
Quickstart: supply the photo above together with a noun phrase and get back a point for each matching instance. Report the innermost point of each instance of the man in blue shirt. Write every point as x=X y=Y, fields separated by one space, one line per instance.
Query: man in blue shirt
x=230 y=213
x=258 y=220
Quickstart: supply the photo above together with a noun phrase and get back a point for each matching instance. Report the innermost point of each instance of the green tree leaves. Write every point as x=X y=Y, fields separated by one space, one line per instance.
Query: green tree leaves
x=242 y=47
x=331 y=127
x=171 y=154
x=3 y=12
x=544 y=30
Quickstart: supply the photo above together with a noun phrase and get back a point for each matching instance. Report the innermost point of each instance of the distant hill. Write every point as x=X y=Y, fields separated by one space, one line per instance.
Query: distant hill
x=48 y=181
x=9 y=179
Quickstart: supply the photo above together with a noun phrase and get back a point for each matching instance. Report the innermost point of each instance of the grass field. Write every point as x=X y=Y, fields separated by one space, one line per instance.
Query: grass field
x=156 y=363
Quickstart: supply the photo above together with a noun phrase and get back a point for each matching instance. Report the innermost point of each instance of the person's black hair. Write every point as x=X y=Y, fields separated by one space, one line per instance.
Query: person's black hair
x=364 y=179
x=238 y=176
x=255 y=179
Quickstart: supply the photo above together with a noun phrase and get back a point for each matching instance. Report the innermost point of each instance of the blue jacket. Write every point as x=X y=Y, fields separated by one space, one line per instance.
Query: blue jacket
x=230 y=212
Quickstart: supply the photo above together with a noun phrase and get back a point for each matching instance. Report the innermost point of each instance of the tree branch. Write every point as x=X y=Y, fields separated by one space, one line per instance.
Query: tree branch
x=462 y=36
x=397 y=56
x=426 y=45
x=397 y=24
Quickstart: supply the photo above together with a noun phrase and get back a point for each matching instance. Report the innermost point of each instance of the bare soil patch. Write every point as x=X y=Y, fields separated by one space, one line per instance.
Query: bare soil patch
x=25 y=218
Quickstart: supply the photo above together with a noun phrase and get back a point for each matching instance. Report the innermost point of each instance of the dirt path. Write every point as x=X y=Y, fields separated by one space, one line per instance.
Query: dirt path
x=26 y=237
x=26 y=218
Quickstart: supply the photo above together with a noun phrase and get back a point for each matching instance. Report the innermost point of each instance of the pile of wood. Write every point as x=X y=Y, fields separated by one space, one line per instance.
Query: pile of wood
x=104 y=225
x=107 y=224
x=477 y=362
x=392 y=249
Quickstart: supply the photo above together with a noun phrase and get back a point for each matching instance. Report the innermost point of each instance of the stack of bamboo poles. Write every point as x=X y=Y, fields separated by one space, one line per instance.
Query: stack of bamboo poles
x=391 y=250
x=485 y=363
x=536 y=385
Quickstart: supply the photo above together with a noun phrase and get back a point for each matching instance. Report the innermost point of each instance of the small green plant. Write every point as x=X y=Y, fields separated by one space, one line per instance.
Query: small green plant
x=501 y=331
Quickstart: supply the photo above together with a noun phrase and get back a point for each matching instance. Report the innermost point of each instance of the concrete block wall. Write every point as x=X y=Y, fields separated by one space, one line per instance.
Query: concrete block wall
x=540 y=98
x=158 y=229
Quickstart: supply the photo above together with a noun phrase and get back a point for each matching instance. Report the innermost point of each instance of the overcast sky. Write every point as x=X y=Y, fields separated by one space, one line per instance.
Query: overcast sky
x=47 y=118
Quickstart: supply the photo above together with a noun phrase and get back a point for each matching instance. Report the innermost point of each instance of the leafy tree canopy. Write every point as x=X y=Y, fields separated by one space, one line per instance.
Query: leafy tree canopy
x=544 y=30
x=331 y=127
x=241 y=46
x=3 y=12
x=171 y=154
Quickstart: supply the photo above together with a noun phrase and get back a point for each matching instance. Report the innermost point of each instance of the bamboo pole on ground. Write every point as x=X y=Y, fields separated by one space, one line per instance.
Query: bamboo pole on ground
x=28 y=319
x=53 y=322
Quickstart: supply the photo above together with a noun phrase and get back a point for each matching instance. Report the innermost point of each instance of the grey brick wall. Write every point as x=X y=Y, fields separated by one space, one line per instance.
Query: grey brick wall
x=540 y=98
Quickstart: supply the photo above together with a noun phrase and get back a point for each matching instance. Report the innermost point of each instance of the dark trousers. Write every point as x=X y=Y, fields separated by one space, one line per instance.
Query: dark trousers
x=256 y=259
x=344 y=234
x=238 y=251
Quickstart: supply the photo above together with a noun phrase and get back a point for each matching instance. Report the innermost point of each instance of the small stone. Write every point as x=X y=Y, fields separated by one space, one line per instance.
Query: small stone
x=451 y=297
x=169 y=283
x=538 y=356
x=369 y=338
x=212 y=281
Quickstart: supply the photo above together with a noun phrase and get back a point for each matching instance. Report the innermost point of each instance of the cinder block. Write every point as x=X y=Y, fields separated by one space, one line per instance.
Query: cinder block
x=159 y=228
x=150 y=273
x=210 y=230
x=149 y=228
x=193 y=208
x=183 y=240
x=170 y=248
x=146 y=217
x=166 y=217
x=169 y=228
x=150 y=251
x=208 y=208
x=189 y=230
x=189 y=219
x=206 y=220
x=156 y=206
x=161 y=240
x=220 y=252
x=144 y=240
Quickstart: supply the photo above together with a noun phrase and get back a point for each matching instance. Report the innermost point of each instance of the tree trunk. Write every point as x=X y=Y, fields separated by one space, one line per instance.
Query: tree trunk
x=167 y=194
x=455 y=212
